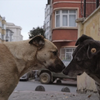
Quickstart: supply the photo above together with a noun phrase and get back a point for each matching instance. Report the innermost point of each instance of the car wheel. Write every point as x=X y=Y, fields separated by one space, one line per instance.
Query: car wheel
x=45 y=78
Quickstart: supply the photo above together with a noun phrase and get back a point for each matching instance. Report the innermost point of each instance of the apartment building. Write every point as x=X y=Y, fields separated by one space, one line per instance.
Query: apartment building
x=9 y=31
x=8 y=35
x=47 y=27
x=15 y=35
x=64 y=30
x=2 y=28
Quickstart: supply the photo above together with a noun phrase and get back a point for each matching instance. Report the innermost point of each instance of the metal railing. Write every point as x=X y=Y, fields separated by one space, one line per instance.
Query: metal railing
x=88 y=6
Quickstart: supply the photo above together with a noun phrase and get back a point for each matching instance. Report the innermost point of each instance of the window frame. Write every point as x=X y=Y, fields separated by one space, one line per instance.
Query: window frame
x=3 y=26
x=0 y=23
x=0 y=35
x=66 y=52
x=3 y=37
x=56 y=18
x=61 y=17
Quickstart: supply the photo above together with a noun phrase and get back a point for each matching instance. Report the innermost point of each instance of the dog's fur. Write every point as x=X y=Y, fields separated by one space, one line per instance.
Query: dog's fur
x=17 y=58
x=86 y=58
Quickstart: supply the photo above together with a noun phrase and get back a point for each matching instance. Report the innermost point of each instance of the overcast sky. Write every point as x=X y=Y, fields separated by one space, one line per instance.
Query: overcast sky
x=24 y=13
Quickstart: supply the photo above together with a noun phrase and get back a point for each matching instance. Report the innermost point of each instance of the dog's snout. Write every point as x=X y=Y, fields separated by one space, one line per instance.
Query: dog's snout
x=57 y=66
x=63 y=66
x=65 y=71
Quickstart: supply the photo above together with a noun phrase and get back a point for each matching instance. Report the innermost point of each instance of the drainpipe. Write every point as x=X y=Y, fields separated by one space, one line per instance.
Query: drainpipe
x=84 y=8
x=97 y=3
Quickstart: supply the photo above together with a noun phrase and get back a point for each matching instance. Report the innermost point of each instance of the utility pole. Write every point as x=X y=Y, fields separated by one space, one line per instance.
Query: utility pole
x=97 y=3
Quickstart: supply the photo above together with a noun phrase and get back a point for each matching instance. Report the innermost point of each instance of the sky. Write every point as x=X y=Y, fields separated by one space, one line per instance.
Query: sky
x=24 y=13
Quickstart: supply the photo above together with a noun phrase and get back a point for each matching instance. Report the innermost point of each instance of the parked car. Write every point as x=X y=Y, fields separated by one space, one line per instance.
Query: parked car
x=36 y=75
x=46 y=76
x=27 y=75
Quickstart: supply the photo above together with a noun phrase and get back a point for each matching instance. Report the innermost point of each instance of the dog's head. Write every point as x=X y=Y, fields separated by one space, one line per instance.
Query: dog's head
x=85 y=57
x=47 y=54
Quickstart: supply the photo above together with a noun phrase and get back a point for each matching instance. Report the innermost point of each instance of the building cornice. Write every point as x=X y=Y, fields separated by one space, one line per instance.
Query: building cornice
x=69 y=46
x=65 y=28
x=13 y=27
x=63 y=41
x=56 y=2
x=58 y=8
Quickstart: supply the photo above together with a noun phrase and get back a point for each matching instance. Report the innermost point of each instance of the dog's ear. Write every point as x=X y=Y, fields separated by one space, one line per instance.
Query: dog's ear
x=80 y=53
x=38 y=41
x=82 y=39
x=93 y=49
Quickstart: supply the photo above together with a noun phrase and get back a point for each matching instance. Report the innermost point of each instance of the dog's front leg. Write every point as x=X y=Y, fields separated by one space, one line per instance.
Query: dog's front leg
x=2 y=98
x=7 y=84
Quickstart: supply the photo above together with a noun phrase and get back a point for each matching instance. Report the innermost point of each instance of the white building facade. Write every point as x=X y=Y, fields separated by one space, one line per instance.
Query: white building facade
x=8 y=35
x=15 y=33
x=47 y=22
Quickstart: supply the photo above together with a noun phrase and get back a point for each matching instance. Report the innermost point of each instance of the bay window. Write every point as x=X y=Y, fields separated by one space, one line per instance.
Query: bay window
x=65 y=18
x=66 y=54
x=57 y=18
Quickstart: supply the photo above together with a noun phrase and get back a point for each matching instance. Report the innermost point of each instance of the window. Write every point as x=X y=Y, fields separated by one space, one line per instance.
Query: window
x=0 y=24
x=57 y=18
x=48 y=24
x=3 y=36
x=66 y=53
x=0 y=35
x=8 y=36
x=65 y=18
x=3 y=26
x=48 y=11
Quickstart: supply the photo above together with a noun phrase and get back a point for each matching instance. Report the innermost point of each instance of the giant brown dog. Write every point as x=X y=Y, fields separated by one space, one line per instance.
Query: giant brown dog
x=86 y=58
x=17 y=58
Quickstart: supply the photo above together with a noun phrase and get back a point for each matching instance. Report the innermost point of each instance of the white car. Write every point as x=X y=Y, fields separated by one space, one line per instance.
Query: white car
x=26 y=76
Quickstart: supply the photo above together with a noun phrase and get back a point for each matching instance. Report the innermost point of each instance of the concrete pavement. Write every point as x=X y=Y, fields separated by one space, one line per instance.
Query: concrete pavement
x=52 y=95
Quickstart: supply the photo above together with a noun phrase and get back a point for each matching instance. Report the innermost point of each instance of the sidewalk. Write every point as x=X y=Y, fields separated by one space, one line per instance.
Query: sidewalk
x=53 y=95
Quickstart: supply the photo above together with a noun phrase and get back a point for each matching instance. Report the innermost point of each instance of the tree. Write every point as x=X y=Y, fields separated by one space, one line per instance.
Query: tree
x=36 y=31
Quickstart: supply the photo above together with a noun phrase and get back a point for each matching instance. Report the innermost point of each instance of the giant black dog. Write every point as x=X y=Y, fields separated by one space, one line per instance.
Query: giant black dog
x=86 y=58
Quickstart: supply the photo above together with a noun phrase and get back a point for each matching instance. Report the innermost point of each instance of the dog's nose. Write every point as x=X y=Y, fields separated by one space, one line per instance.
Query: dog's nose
x=65 y=72
x=63 y=67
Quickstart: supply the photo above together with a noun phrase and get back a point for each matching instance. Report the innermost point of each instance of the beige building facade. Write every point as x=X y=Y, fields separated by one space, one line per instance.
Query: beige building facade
x=91 y=27
x=2 y=28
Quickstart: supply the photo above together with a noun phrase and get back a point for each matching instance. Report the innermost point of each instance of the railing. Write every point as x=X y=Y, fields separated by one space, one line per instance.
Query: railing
x=88 y=6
